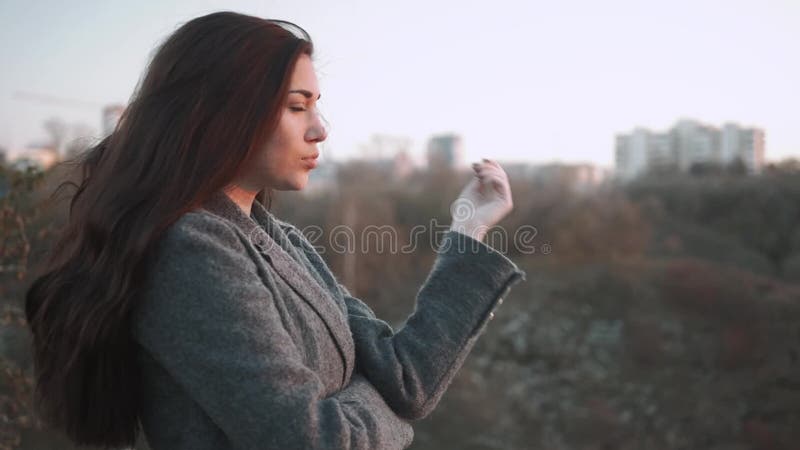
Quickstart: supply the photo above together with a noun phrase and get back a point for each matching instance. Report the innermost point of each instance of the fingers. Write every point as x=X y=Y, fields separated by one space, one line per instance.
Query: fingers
x=492 y=175
x=498 y=183
x=487 y=164
x=496 y=180
x=491 y=162
x=488 y=167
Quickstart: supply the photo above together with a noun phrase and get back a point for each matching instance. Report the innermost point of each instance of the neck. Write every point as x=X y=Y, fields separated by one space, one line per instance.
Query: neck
x=243 y=198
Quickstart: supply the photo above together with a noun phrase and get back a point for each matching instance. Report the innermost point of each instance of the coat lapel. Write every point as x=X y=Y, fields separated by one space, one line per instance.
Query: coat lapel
x=276 y=247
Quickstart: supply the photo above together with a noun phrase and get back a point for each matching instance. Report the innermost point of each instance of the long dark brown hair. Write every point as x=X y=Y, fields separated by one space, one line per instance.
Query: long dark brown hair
x=210 y=97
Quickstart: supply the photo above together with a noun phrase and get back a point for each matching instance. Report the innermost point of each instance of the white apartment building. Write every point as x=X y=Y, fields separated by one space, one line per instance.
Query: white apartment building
x=744 y=144
x=686 y=144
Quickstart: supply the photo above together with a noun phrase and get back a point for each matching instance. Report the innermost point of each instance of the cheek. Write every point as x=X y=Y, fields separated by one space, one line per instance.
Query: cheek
x=273 y=152
x=278 y=154
x=280 y=143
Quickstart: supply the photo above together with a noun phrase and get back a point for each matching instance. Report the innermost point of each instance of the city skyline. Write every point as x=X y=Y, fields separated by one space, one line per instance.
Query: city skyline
x=528 y=82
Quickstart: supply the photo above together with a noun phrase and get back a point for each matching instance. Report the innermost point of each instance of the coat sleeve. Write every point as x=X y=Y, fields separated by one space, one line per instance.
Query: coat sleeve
x=208 y=319
x=413 y=367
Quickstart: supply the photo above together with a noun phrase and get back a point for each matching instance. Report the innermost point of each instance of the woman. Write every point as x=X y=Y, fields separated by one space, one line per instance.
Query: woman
x=175 y=299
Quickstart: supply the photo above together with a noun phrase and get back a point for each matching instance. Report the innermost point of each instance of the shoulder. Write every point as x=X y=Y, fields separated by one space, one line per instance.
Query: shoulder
x=201 y=226
x=202 y=241
x=200 y=254
x=199 y=270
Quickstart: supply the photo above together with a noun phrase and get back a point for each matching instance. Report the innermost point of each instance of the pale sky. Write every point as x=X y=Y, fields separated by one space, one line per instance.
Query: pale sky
x=518 y=80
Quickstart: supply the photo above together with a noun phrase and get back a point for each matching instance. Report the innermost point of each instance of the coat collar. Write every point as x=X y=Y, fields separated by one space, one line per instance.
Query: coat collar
x=269 y=237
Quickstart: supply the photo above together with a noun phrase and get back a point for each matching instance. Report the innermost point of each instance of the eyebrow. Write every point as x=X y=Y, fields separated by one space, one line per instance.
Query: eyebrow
x=306 y=94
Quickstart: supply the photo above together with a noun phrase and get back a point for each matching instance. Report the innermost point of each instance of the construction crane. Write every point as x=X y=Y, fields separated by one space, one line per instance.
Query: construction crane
x=108 y=113
x=54 y=100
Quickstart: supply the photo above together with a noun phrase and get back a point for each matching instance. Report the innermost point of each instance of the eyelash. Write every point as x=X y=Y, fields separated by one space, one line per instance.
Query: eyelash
x=297 y=108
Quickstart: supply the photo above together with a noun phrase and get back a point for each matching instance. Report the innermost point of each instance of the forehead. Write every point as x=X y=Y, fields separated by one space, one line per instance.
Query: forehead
x=304 y=76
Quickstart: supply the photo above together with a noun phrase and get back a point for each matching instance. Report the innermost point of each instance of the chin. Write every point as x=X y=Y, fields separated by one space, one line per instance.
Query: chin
x=296 y=184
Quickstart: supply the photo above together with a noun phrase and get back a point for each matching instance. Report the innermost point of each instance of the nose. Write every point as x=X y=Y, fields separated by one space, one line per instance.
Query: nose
x=318 y=131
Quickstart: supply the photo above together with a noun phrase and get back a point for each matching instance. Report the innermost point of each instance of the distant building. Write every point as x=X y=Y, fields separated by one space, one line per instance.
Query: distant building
x=631 y=153
x=445 y=151
x=40 y=157
x=694 y=143
x=390 y=153
x=745 y=144
x=687 y=144
x=3 y=156
x=111 y=115
x=518 y=171
x=402 y=165
x=578 y=177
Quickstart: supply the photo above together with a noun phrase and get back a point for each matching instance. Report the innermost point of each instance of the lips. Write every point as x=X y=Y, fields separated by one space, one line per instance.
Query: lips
x=311 y=161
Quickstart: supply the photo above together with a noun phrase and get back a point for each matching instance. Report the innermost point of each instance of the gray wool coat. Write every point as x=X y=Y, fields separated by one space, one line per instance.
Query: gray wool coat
x=247 y=341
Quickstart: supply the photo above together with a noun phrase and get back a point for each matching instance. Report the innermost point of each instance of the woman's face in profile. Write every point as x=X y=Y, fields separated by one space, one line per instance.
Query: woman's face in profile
x=291 y=151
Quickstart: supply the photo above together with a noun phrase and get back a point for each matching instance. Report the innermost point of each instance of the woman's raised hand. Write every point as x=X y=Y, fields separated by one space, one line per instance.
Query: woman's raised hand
x=483 y=202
